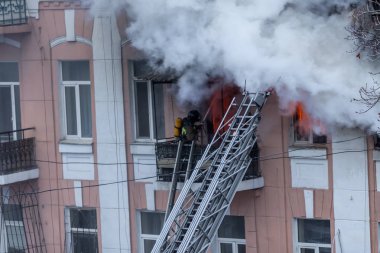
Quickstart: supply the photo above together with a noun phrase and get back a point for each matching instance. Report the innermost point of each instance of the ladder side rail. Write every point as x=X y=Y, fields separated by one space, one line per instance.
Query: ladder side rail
x=181 y=198
x=233 y=182
x=215 y=160
x=174 y=180
x=230 y=196
x=222 y=211
x=213 y=183
x=183 y=194
x=190 y=160
x=247 y=146
x=187 y=186
x=236 y=182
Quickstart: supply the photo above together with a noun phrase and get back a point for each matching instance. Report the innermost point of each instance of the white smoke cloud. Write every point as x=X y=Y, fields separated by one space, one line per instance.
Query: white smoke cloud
x=299 y=47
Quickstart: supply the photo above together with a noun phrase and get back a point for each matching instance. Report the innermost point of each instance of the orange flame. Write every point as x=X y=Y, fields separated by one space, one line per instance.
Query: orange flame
x=219 y=103
x=305 y=123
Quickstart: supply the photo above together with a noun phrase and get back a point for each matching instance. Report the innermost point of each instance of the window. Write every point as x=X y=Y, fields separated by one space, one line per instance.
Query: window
x=148 y=103
x=76 y=99
x=81 y=230
x=313 y=236
x=151 y=224
x=14 y=236
x=303 y=131
x=9 y=98
x=231 y=235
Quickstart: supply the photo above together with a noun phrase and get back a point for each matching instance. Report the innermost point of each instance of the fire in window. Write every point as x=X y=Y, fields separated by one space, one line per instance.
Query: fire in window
x=306 y=129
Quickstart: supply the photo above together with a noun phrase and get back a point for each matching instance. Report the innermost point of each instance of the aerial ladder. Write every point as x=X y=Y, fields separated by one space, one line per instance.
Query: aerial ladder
x=199 y=211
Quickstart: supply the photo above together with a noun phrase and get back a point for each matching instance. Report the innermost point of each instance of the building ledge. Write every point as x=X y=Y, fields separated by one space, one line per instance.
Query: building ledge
x=82 y=146
x=14 y=29
x=250 y=184
x=19 y=176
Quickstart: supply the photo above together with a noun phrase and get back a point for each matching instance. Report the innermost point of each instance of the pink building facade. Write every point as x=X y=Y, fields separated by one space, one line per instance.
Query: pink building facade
x=80 y=116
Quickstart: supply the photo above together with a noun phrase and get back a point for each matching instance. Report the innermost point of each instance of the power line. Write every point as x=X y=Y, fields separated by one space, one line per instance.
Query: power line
x=171 y=174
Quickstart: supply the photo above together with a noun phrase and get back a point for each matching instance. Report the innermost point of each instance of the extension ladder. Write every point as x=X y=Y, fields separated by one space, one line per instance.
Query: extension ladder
x=198 y=213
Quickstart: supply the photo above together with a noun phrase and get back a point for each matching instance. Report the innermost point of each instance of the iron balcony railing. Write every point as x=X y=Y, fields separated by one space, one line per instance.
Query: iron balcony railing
x=166 y=153
x=17 y=153
x=12 y=12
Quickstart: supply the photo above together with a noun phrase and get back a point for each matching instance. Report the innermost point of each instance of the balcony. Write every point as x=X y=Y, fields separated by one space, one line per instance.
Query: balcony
x=12 y=12
x=166 y=155
x=17 y=157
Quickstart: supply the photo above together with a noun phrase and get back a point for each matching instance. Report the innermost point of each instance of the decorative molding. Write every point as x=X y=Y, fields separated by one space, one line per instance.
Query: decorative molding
x=11 y=42
x=63 y=39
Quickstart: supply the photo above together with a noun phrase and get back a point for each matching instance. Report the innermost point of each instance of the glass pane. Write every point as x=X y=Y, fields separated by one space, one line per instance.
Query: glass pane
x=319 y=138
x=141 y=69
x=17 y=106
x=148 y=245
x=16 y=238
x=226 y=248
x=5 y=109
x=232 y=227
x=142 y=109
x=159 y=112
x=324 y=250
x=71 y=112
x=12 y=212
x=241 y=248
x=75 y=71
x=151 y=223
x=85 y=110
x=314 y=231
x=83 y=218
x=9 y=72
x=84 y=242
x=305 y=250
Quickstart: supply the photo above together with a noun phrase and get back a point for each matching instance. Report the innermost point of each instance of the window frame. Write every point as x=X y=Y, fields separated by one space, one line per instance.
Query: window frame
x=309 y=142
x=152 y=121
x=142 y=236
x=12 y=223
x=69 y=230
x=303 y=245
x=12 y=86
x=234 y=241
x=76 y=85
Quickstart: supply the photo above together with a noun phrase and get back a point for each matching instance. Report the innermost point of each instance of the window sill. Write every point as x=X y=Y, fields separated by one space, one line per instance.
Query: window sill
x=82 y=146
x=143 y=148
x=308 y=152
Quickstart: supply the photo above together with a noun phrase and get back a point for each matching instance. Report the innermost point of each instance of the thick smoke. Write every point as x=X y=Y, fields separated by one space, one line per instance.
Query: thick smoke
x=298 y=47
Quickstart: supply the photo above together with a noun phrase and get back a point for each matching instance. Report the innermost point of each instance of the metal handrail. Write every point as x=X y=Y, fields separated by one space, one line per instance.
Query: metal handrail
x=10 y=133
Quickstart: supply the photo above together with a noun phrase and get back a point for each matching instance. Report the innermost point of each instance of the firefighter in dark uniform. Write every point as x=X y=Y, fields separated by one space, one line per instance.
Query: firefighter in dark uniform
x=188 y=127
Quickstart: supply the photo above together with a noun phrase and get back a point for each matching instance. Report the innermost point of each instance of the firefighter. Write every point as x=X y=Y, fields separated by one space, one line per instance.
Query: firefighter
x=191 y=125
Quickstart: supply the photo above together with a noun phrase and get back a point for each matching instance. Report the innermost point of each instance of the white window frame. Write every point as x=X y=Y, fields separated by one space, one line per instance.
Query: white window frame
x=302 y=245
x=4 y=231
x=13 y=102
x=235 y=242
x=150 y=109
x=76 y=85
x=70 y=230
x=310 y=140
x=142 y=236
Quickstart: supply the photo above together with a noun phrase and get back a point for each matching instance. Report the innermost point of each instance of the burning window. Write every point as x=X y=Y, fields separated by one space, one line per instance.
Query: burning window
x=304 y=128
